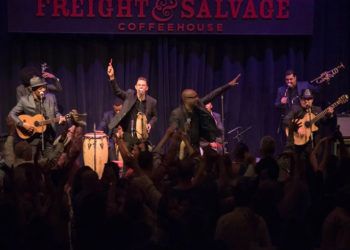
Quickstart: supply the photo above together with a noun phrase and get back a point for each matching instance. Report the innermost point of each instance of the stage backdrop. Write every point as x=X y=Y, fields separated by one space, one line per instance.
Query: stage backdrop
x=172 y=63
x=162 y=16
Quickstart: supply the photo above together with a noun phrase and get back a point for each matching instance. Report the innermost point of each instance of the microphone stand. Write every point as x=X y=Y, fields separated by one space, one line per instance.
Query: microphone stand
x=239 y=133
x=95 y=147
x=42 y=113
x=223 y=123
x=132 y=128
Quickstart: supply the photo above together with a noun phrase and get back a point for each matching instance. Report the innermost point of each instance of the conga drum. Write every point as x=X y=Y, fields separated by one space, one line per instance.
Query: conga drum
x=95 y=151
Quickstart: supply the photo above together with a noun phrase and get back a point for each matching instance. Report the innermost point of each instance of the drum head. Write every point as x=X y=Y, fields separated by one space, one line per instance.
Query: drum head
x=95 y=135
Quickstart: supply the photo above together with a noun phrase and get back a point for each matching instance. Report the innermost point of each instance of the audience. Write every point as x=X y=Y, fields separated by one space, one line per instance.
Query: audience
x=207 y=201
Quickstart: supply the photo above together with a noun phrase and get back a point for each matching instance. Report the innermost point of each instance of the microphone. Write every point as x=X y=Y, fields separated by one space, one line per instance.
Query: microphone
x=132 y=128
x=41 y=93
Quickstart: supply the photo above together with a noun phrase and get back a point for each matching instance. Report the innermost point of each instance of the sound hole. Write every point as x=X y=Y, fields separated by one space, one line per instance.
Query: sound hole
x=36 y=124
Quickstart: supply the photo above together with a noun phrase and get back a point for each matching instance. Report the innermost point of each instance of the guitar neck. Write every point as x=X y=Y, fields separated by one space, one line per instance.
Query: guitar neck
x=49 y=121
x=323 y=113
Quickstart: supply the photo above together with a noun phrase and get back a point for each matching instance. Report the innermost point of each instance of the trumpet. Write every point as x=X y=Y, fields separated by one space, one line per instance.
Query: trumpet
x=327 y=75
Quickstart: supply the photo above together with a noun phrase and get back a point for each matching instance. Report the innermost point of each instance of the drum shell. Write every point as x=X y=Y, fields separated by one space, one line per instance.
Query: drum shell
x=95 y=149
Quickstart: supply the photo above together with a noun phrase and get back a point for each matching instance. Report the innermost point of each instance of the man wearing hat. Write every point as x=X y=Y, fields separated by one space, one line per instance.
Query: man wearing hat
x=37 y=102
x=299 y=113
x=288 y=95
x=27 y=73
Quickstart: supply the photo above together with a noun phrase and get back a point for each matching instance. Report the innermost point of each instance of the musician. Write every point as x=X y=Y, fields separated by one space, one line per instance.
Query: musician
x=108 y=115
x=103 y=126
x=194 y=119
x=301 y=112
x=37 y=102
x=27 y=73
x=288 y=94
x=218 y=143
x=135 y=102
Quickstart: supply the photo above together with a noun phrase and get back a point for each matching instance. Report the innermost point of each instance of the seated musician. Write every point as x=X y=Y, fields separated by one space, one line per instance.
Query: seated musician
x=302 y=116
x=108 y=116
x=35 y=104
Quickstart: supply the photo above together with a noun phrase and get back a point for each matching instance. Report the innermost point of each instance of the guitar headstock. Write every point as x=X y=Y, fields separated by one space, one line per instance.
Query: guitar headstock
x=343 y=99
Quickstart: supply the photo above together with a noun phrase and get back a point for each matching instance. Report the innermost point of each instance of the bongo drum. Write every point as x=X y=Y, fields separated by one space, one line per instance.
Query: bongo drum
x=95 y=151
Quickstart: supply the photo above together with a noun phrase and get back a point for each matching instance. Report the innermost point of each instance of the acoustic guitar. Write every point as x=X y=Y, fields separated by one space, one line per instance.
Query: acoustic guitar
x=307 y=123
x=40 y=124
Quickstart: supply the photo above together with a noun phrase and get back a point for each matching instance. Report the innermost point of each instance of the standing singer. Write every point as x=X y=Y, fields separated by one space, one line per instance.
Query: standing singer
x=138 y=114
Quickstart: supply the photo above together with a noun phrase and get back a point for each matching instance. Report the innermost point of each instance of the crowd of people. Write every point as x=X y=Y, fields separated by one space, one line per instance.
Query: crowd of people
x=182 y=193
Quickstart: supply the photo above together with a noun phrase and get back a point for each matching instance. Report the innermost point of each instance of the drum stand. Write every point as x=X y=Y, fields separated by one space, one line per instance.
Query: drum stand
x=95 y=147
x=239 y=132
x=42 y=132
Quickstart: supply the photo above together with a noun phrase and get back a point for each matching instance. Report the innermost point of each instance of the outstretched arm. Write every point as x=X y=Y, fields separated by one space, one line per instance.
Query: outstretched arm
x=216 y=92
x=115 y=87
x=56 y=86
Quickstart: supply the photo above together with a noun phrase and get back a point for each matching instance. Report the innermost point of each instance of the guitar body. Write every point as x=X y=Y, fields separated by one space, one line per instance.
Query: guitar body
x=40 y=124
x=34 y=121
x=305 y=135
x=305 y=132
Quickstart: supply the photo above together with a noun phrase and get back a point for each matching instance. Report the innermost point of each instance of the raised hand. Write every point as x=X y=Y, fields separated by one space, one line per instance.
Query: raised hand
x=48 y=75
x=110 y=70
x=235 y=80
x=294 y=125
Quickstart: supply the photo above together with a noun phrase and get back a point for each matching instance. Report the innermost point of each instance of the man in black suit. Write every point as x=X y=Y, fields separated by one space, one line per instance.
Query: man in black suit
x=194 y=119
x=137 y=105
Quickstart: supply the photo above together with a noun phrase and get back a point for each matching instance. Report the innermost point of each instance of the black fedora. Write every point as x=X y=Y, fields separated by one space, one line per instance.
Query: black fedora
x=306 y=94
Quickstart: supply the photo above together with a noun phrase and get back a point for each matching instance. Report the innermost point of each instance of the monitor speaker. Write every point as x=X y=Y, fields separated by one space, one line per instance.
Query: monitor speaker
x=344 y=125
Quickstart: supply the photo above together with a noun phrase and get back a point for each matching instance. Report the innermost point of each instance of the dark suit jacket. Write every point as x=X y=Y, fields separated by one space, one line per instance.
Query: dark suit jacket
x=282 y=90
x=26 y=105
x=129 y=97
x=106 y=119
x=206 y=128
